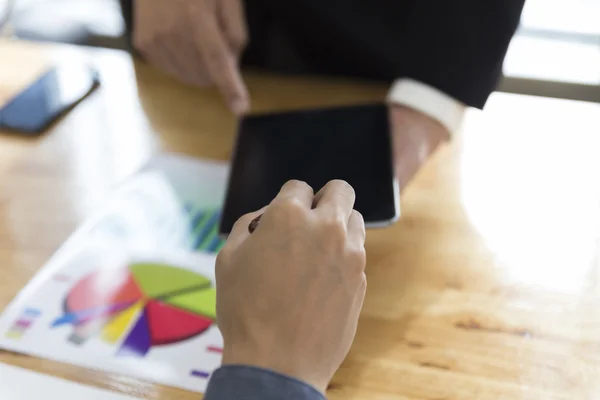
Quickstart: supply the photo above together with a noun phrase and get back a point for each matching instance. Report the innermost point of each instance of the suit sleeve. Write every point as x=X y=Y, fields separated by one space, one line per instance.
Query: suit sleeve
x=127 y=9
x=250 y=383
x=459 y=46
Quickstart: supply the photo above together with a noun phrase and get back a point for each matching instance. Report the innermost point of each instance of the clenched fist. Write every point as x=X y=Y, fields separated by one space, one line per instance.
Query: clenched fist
x=198 y=41
x=289 y=294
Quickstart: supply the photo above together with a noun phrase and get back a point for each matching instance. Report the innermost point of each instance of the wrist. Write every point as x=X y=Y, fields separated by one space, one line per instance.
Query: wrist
x=418 y=128
x=409 y=118
x=428 y=100
x=415 y=138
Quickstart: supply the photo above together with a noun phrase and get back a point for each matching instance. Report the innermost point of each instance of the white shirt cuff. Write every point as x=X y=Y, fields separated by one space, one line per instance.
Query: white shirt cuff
x=428 y=100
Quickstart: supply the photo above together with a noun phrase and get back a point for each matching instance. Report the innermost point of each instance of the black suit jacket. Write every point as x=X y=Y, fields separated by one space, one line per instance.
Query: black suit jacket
x=456 y=46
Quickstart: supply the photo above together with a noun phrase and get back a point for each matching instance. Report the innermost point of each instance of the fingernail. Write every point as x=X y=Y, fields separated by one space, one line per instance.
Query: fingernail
x=254 y=224
x=239 y=106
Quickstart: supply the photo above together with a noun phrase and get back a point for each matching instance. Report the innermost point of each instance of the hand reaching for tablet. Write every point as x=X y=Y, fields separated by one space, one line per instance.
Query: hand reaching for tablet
x=199 y=42
x=289 y=294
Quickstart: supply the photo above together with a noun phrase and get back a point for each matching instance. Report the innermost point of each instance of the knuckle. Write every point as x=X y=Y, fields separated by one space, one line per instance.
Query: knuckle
x=335 y=228
x=356 y=261
x=291 y=207
x=343 y=186
x=294 y=183
x=286 y=213
x=359 y=217
x=298 y=182
x=359 y=224
x=359 y=258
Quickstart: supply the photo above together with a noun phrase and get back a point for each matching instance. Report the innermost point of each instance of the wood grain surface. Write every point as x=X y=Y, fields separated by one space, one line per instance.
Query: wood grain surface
x=487 y=288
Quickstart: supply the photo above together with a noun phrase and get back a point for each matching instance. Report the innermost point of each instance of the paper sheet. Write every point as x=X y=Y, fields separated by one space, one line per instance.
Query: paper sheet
x=133 y=290
x=22 y=384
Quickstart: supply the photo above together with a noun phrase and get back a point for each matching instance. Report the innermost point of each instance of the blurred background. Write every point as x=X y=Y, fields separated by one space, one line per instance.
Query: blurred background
x=555 y=53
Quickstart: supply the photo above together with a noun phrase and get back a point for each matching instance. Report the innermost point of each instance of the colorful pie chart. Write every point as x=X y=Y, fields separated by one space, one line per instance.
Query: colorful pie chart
x=140 y=306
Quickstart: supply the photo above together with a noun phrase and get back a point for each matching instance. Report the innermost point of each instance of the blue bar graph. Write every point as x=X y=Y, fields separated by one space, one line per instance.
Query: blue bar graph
x=204 y=227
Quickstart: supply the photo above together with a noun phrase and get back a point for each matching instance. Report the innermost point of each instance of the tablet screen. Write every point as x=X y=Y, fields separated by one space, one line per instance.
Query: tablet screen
x=315 y=146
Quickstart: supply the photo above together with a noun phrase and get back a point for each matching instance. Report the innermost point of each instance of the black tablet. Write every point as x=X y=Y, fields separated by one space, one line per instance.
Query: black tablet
x=315 y=146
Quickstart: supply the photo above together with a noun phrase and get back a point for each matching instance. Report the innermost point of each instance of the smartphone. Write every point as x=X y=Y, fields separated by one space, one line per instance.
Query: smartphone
x=58 y=90
x=316 y=146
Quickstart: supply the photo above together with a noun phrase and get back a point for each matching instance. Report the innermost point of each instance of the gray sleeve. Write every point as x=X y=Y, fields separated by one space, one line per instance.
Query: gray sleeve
x=251 y=383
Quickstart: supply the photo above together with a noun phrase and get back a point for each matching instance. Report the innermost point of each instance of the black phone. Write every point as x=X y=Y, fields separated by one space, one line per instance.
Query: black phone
x=351 y=143
x=58 y=90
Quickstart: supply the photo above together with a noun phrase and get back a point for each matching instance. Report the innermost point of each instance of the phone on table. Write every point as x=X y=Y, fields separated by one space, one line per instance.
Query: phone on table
x=350 y=143
x=52 y=95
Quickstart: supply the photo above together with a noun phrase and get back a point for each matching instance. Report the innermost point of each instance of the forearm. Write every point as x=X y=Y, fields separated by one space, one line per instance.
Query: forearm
x=250 y=383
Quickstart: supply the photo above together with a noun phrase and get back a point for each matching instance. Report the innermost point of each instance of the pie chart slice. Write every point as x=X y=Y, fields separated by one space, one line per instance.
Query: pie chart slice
x=116 y=328
x=138 y=341
x=158 y=280
x=103 y=288
x=202 y=302
x=169 y=324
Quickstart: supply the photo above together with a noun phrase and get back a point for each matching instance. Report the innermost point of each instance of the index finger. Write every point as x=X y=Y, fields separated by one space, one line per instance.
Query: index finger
x=335 y=197
x=220 y=62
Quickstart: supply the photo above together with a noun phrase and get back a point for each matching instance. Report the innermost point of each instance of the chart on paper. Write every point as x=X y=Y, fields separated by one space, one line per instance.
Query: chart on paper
x=141 y=306
x=132 y=292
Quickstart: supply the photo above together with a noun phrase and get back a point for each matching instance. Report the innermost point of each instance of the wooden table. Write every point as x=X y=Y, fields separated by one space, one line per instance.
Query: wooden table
x=488 y=287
